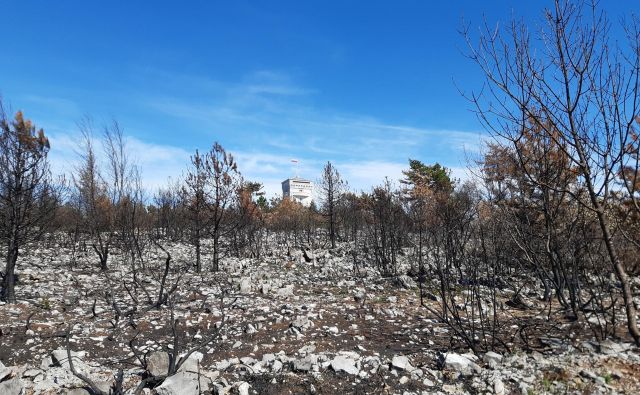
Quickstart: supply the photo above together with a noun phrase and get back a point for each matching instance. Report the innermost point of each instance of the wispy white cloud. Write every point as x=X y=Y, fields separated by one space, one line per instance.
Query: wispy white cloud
x=361 y=176
x=160 y=163
x=285 y=126
x=157 y=163
x=52 y=104
x=265 y=119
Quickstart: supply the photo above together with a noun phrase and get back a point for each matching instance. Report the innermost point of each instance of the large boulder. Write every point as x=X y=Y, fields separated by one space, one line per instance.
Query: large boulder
x=265 y=288
x=308 y=256
x=181 y=383
x=158 y=363
x=305 y=364
x=405 y=281
x=245 y=285
x=401 y=362
x=492 y=359
x=344 y=364
x=77 y=391
x=60 y=357
x=301 y=322
x=243 y=388
x=521 y=302
x=461 y=364
x=5 y=372
x=609 y=347
x=192 y=364
x=359 y=296
x=498 y=386
x=15 y=386
x=285 y=291
x=277 y=366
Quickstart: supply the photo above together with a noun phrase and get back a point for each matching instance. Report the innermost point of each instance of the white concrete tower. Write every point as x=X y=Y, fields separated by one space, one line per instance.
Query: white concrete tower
x=298 y=189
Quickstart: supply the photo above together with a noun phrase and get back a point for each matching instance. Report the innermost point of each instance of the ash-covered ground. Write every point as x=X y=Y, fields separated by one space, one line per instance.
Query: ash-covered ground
x=292 y=322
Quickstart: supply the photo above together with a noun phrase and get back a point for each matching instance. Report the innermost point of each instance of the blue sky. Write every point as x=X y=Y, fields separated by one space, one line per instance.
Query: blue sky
x=365 y=84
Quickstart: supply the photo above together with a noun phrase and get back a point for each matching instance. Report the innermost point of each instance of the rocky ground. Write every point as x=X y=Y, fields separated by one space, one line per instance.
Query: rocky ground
x=299 y=323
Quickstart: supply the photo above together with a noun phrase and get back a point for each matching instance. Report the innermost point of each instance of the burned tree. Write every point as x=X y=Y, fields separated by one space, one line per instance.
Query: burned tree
x=287 y=222
x=194 y=199
x=527 y=184
x=209 y=194
x=581 y=90
x=424 y=186
x=97 y=212
x=385 y=226
x=225 y=182
x=110 y=202
x=167 y=212
x=250 y=237
x=332 y=187
x=27 y=198
x=125 y=191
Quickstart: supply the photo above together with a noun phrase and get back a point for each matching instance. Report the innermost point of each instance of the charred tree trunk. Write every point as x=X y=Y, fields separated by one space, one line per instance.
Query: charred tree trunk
x=9 y=280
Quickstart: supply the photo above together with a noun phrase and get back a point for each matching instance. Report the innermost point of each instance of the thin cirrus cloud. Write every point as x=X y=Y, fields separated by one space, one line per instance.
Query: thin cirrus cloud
x=276 y=114
x=157 y=163
x=265 y=120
